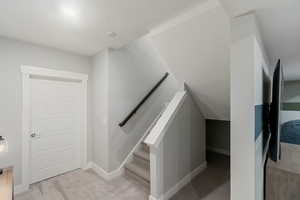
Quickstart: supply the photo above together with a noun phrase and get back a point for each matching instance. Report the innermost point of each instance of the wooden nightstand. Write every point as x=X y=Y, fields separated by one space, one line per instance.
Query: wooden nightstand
x=6 y=184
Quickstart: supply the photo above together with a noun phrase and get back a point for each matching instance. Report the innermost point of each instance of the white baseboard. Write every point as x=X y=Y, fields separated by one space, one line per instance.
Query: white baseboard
x=88 y=166
x=219 y=150
x=20 y=189
x=153 y=198
x=104 y=174
x=183 y=182
x=198 y=170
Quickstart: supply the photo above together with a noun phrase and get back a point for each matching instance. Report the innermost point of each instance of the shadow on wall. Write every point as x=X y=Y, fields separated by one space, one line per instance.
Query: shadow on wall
x=205 y=108
x=218 y=136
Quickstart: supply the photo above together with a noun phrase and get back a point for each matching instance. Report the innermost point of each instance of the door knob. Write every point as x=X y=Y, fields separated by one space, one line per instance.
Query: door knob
x=33 y=135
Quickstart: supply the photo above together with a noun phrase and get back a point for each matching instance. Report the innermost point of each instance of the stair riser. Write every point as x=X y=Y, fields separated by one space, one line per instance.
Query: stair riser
x=138 y=167
x=137 y=177
x=141 y=160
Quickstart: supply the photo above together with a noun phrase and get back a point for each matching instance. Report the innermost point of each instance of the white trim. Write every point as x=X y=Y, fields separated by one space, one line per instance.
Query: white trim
x=104 y=174
x=128 y=157
x=160 y=128
x=88 y=166
x=156 y=178
x=219 y=150
x=25 y=131
x=183 y=182
x=39 y=71
x=84 y=147
x=18 y=189
x=28 y=71
x=185 y=16
x=152 y=198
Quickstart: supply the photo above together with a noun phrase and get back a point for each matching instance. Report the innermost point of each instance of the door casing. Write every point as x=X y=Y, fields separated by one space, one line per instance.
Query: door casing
x=27 y=73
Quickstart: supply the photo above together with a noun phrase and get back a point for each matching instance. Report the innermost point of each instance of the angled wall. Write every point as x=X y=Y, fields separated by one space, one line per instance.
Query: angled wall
x=195 y=46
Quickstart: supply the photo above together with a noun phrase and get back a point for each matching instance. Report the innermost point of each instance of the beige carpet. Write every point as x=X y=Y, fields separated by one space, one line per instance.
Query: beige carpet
x=85 y=185
x=212 y=184
x=282 y=185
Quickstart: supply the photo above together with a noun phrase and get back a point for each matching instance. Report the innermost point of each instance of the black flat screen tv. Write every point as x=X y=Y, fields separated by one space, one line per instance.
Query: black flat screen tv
x=275 y=110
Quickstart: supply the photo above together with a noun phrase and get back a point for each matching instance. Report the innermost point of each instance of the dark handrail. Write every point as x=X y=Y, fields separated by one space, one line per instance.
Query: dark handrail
x=143 y=100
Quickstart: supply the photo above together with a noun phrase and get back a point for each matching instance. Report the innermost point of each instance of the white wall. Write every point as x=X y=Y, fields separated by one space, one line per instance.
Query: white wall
x=132 y=72
x=196 y=48
x=287 y=116
x=292 y=91
x=100 y=109
x=248 y=63
x=291 y=70
x=242 y=122
x=13 y=54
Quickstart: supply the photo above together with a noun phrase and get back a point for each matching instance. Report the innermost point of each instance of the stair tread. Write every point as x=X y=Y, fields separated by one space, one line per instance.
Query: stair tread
x=137 y=178
x=142 y=153
x=139 y=169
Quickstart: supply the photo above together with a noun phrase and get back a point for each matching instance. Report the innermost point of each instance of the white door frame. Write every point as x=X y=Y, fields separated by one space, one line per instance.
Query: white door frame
x=27 y=73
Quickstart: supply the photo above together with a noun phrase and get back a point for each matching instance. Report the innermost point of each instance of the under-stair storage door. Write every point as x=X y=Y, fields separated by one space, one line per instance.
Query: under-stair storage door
x=55 y=124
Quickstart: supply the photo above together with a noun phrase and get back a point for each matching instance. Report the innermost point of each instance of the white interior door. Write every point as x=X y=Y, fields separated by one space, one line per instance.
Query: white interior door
x=56 y=115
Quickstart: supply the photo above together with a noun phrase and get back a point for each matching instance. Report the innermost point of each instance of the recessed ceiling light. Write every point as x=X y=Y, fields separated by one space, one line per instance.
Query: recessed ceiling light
x=112 y=34
x=70 y=12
